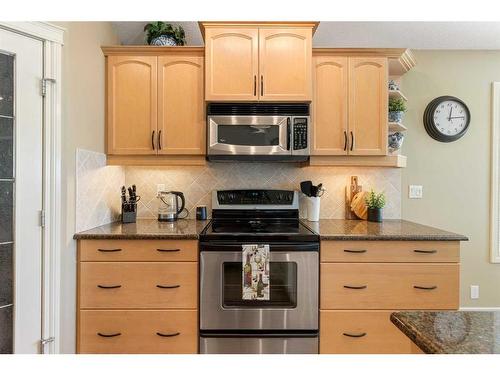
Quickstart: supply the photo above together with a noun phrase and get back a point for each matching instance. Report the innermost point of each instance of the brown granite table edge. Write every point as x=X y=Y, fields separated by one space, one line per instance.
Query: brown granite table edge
x=415 y=336
x=134 y=236
x=391 y=237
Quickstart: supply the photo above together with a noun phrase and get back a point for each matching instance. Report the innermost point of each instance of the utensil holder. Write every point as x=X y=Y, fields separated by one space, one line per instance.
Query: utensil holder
x=313 y=208
x=129 y=216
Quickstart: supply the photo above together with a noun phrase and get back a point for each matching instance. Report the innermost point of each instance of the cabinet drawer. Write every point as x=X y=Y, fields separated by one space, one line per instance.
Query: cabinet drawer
x=138 y=285
x=389 y=286
x=361 y=332
x=122 y=331
x=138 y=250
x=390 y=251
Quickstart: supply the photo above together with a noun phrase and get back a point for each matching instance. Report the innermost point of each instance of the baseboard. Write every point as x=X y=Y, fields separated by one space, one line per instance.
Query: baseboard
x=479 y=309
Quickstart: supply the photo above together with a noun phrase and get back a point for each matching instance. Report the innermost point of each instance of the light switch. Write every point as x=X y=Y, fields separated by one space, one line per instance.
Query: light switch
x=474 y=291
x=415 y=191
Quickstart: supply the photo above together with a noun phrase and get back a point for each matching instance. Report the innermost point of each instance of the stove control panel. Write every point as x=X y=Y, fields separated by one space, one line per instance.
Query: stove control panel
x=255 y=197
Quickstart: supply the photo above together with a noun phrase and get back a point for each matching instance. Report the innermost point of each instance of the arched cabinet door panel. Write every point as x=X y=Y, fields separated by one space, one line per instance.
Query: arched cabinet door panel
x=181 y=112
x=131 y=104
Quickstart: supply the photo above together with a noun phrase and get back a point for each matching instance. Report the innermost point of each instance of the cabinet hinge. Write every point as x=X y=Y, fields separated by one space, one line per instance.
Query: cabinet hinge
x=42 y=218
x=45 y=342
x=44 y=85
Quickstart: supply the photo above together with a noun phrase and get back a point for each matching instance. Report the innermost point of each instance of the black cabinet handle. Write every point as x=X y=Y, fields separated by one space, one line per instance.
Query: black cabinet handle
x=355 y=335
x=261 y=85
x=345 y=140
x=425 y=251
x=167 y=286
x=355 y=286
x=109 y=286
x=109 y=250
x=288 y=133
x=159 y=140
x=153 y=139
x=255 y=85
x=352 y=141
x=168 y=250
x=168 y=334
x=108 y=335
x=425 y=287
x=354 y=251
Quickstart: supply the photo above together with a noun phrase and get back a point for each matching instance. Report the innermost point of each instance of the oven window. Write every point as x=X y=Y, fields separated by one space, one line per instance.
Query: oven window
x=283 y=288
x=249 y=135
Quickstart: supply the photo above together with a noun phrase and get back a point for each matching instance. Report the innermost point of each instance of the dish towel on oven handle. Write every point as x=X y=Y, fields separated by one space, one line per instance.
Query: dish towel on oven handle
x=255 y=275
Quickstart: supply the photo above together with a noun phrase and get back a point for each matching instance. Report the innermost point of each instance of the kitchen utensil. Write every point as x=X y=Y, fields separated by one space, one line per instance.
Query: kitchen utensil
x=201 y=213
x=358 y=205
x=169 y=208
x=350 y=192
x=129 y=206
x=305 y=187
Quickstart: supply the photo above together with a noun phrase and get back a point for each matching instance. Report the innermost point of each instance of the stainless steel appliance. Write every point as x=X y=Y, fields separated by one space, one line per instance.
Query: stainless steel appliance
x=288 y=321
x=258 y=132
x=169 y=208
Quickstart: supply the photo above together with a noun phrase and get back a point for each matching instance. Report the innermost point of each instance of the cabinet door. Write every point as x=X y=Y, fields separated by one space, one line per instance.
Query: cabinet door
x=232 y=64
x=181 y=114
x=330 y=105
x=131 y=110
x=285 y=64
x=368 y=98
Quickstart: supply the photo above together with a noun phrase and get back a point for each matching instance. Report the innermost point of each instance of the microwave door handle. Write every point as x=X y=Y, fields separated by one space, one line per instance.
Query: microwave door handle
x=288 y=133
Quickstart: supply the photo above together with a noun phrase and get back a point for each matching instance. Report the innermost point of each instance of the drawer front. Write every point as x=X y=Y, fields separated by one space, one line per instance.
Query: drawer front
x=138 y=285
x=122 y=331
x=390 y=251
x=138 y=250
x=361 y=332
x=389 y=286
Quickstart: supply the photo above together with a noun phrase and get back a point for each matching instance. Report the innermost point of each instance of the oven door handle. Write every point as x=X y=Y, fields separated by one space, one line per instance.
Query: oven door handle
x=292 y=246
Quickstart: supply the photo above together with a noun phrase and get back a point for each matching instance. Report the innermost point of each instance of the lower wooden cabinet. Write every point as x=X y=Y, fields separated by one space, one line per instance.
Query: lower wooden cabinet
x=132 y=331
x=361 y=332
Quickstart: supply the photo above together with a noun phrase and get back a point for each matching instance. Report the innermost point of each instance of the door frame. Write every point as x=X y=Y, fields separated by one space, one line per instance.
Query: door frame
x=52 y=39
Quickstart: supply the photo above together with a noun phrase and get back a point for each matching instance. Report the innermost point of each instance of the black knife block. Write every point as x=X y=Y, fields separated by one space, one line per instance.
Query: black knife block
x=127 y=215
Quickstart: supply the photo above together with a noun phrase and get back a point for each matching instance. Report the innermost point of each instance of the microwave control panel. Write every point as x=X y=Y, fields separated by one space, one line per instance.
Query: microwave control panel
x=300 y=133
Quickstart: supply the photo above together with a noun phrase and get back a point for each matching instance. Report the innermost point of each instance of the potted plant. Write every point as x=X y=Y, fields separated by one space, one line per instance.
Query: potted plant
x=164 y=34
x=375 y=202
x=397 y=107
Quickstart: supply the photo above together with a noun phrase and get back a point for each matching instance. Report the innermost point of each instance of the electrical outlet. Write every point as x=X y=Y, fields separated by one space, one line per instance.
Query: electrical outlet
x=474 y=291
x=160 y=187
x=415 y=191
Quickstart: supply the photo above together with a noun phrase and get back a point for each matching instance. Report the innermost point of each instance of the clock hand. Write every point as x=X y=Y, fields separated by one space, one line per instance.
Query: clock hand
x=449 y=117
x=457 y=117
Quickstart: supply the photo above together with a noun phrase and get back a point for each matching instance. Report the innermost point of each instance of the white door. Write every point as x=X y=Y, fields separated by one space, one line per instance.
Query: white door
x=21 y=71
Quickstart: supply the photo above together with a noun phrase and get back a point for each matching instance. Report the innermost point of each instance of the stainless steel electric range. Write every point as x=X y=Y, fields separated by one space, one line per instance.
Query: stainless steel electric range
x=288 y=321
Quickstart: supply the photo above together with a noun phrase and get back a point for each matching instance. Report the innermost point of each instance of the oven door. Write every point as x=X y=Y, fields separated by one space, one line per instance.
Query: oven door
x=293 y=303
x=249 y=135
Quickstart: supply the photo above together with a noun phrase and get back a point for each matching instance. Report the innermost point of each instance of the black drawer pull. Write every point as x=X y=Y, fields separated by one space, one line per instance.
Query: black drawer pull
x=168 y=286
x=355 y=335
x=168 y=250
x=168 y=334
x=109 y=286
x=108 y=335
x=425 y=251
x=109 y=250
x=354 y=251
x=355 y=286
x=425 y=287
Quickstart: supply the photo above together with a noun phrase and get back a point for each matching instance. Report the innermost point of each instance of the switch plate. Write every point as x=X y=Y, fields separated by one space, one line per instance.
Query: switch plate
x=474 y=291
x=415 y=191
x=160 y=187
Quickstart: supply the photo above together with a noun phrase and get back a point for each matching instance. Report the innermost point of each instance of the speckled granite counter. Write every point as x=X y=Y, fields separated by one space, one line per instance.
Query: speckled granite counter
x=388 y=230
x=451 y=332
x=147 y=229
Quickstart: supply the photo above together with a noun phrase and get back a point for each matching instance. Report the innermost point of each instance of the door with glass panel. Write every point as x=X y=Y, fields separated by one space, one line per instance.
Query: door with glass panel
x=21 y=199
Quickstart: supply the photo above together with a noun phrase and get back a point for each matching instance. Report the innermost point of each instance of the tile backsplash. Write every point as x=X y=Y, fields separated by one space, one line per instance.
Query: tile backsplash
x=197 y=183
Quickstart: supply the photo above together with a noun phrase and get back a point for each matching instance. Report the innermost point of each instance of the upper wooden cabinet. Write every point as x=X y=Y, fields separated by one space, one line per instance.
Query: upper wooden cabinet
x=258 y=61
x=155 y=105
x=350 y=105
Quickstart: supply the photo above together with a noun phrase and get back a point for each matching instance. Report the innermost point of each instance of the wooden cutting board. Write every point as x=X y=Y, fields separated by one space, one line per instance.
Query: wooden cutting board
x=358 y=205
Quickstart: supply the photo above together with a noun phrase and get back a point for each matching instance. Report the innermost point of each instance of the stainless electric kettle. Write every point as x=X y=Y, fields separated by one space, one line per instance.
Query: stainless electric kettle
x=169 y=208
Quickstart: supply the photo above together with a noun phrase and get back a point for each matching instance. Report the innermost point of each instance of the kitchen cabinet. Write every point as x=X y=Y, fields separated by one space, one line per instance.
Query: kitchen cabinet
x=350 y=105
x=155 y=105
x=137 y=296
x=363 y=282
x=258 y=61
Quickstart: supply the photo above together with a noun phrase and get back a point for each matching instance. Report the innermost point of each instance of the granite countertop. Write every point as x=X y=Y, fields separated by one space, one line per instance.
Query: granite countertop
x=147 y=229
x=451 y=332
x=389 y=230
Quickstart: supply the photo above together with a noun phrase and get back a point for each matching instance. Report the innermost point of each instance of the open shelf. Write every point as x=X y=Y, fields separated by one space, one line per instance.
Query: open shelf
x=396 y=127
x=397 y=94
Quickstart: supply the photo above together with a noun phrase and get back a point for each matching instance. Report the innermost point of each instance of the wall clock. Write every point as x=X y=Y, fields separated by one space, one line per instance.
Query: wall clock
x=446 y=118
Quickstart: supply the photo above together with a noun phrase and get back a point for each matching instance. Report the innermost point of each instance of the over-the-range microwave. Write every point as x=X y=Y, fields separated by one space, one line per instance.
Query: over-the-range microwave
x=258 y=132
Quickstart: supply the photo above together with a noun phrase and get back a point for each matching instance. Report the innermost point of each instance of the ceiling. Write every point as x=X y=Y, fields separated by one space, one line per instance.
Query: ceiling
x=415 y=35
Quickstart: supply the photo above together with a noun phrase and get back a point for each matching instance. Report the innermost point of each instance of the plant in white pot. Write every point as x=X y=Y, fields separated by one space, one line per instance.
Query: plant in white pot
x=375 y=203
x=397 y=107
x=164 y=34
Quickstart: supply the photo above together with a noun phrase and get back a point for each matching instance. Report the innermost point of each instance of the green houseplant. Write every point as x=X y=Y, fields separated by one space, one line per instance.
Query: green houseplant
x=375 y=203
x=397 y=107
x=164 y=34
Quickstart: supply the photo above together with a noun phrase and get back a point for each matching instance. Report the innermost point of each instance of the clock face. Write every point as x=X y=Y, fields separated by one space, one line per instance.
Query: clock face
x=446 y=118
